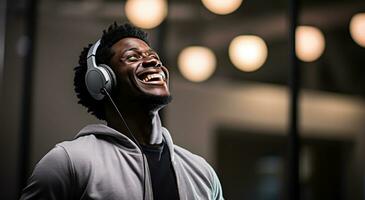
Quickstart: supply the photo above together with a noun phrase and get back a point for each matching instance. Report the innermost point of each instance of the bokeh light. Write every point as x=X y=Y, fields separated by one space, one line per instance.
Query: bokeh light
x=197 y=63
x=248 y=52
x=357 y=28
x=222 y=7
x=309 y=43
x=146 y=13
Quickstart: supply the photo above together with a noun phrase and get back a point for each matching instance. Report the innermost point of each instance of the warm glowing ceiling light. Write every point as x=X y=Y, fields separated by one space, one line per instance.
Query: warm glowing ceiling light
x=196 y=63
x=146 y=13
x=309 y=43
x=357 y=28
x=222 y=7
x=248 y=52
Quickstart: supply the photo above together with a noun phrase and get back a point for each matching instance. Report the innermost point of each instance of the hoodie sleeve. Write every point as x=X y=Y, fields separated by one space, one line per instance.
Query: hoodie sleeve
x=217 y=194
x=51 y=178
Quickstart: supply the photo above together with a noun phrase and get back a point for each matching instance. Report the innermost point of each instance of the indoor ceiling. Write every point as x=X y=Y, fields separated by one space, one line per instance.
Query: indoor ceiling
x=340 y=68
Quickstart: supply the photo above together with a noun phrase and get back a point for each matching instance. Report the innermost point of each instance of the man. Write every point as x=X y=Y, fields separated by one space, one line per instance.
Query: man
x=131 y=157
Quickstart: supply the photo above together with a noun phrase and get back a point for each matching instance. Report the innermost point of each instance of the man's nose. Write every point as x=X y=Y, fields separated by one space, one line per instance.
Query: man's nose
x=151 y=62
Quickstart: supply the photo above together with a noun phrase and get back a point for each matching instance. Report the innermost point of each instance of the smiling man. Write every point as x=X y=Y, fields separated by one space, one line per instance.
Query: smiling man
x=120 y=79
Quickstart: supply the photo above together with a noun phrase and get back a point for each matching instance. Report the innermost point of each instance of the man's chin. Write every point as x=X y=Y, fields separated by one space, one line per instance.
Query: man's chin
x=153 y=102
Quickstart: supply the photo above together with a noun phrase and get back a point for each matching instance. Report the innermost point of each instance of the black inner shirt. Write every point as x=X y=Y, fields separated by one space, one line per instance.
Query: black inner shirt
x=163 y=178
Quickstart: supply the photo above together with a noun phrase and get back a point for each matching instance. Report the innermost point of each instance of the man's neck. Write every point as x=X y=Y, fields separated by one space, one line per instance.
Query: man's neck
x=145 y=125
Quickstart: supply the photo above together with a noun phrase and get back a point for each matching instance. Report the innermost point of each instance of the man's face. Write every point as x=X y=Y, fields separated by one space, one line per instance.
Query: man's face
x=139 y=71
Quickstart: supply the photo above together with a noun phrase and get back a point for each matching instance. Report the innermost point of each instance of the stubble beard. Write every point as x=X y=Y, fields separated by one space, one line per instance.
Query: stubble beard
x=147 y=102
x=153 y=102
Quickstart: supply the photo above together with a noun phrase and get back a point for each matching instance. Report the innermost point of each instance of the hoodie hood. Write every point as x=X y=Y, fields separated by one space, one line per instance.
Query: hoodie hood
x=104 y=130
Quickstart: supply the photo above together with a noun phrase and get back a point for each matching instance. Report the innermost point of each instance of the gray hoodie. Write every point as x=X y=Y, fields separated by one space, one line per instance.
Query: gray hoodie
x=102 y=163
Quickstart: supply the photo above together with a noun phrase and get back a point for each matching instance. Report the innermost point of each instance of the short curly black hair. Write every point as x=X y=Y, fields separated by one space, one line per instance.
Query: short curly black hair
x=104 y=53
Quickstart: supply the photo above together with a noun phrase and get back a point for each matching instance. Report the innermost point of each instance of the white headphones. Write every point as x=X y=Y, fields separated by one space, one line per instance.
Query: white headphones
x=99 y=76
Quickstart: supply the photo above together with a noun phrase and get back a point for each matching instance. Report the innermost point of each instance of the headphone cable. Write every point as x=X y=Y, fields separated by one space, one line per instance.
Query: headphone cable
x=104 y=91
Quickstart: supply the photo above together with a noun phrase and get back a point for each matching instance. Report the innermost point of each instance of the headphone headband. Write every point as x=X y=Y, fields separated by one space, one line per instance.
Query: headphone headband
x=91 y=55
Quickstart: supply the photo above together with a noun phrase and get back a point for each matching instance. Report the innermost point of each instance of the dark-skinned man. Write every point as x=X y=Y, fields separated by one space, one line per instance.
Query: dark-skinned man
x=121 y=80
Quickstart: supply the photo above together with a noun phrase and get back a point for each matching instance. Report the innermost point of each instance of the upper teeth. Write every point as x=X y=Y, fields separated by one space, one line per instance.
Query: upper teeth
x=151 y=76
x=163 y=76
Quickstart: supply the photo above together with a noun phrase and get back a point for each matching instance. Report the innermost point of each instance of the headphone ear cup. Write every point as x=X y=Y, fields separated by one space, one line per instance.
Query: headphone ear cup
x=98 y=78
x=95 y=81
x=112 y=77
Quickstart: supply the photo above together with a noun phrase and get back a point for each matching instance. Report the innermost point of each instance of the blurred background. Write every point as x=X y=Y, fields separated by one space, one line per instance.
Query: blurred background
x=229 y=67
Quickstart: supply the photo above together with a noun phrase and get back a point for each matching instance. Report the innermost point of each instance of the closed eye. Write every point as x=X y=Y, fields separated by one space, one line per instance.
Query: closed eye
x=132 y=58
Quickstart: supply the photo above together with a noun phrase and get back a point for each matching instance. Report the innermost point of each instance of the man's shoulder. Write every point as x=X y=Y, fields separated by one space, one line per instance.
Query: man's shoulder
x=192 y=160
x=183 y=154
x=198 y=170
x=87 y=144
x=78 y=143
x=186 y=154
x=56 y=172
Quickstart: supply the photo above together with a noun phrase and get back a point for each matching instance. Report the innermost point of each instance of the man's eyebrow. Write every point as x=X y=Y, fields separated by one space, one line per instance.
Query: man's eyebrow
x=130 y=49
x=151 y=51
x=136 y=49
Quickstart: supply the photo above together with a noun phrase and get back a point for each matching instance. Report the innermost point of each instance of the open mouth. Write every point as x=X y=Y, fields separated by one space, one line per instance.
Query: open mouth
x=152 y=77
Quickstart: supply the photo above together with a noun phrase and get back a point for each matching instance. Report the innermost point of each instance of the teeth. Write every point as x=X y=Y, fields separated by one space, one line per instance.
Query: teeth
x=163 y=76
x=151 y=76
